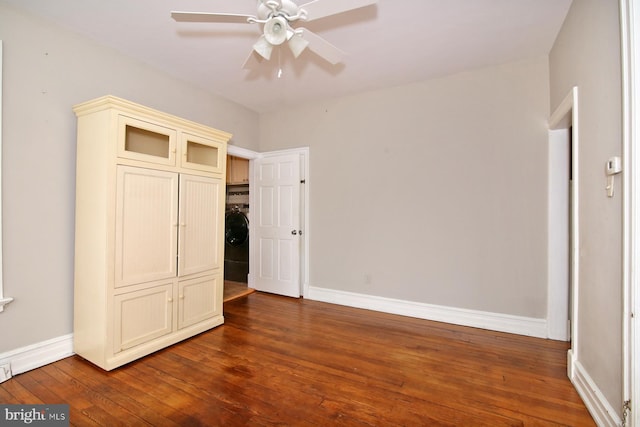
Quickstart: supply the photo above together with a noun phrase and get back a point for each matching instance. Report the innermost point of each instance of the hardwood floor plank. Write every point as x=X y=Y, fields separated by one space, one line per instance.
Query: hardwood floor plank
x=6 y=397
x=196 y=393
x=281 y=361
x=122 y=393
x=19 y=393
x=99 y=403
x=30 y=381
x=251 y=389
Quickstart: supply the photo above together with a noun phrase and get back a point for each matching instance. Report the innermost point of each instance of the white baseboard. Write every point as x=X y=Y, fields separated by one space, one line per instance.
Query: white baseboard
x=599 y=407
x=457 y=316
x=35 y=355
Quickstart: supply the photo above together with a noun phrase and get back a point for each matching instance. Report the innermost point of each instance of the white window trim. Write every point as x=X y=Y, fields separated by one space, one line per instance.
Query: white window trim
x=3 y=300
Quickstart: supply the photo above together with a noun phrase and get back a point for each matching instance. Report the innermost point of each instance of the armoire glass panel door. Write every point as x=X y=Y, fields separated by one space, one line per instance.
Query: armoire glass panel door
x=202 y=154
x=147 y=142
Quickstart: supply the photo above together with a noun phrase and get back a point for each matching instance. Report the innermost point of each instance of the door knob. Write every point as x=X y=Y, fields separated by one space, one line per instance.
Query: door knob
x=294 y=232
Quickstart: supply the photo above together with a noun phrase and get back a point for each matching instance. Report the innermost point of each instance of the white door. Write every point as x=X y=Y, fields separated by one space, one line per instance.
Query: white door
x=275 y=267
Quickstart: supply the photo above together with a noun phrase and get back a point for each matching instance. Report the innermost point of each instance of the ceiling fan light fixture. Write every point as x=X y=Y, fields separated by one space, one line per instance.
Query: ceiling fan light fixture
x=297 y=45
x=263 y=48
x=276 y=30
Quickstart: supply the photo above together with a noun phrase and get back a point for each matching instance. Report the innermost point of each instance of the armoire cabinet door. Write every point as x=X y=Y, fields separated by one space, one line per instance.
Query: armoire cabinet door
x=200 y=214
x=142 y=316
x=146 y=220
x=199 y=299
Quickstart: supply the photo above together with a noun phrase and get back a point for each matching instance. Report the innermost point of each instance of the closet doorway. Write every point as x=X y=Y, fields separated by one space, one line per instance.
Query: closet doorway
x=563 y=238
x=268 y=270
x=237 y=220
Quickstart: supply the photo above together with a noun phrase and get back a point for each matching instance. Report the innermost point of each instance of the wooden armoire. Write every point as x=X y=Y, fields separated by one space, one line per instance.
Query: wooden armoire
x=149 y=242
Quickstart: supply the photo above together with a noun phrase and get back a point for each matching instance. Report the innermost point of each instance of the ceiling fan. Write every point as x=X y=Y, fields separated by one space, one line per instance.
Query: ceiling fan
x=277 y=18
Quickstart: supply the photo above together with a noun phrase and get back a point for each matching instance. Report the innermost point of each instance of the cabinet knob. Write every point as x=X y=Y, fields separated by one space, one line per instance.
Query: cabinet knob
x=181 y=297
x=170 y=299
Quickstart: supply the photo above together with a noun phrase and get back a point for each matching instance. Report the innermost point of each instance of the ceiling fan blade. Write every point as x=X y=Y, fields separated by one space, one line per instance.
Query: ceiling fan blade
x=322 y=47
x=320 y=8
x=227 y=18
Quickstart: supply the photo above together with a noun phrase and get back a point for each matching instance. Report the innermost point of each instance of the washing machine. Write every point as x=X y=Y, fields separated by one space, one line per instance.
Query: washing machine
x=236 y=248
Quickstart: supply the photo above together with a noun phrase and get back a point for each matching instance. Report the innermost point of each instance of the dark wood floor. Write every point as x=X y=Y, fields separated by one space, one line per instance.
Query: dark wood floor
x=281 y=361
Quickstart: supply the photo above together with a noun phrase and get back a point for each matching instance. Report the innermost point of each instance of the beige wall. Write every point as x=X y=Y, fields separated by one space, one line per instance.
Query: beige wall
x=46 y=71
x=434 y=192
x=587 y=55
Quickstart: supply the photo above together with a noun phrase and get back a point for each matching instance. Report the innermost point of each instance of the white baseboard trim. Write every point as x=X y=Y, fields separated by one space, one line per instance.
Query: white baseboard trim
x=457 y=316
x=36 y=355
x=571 y=363
x=600 y=409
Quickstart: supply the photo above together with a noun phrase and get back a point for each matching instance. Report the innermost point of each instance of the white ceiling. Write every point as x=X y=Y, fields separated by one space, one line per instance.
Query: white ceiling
x=391 y=43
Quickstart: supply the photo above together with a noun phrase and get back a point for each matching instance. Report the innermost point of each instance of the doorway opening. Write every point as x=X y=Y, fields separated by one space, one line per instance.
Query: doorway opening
x=278 y=263
x=237 y=220
x=563 y=230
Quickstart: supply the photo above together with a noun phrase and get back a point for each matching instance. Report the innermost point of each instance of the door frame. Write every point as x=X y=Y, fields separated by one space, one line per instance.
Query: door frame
x=3 y=300
x=303 y=152
x=630 y=53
